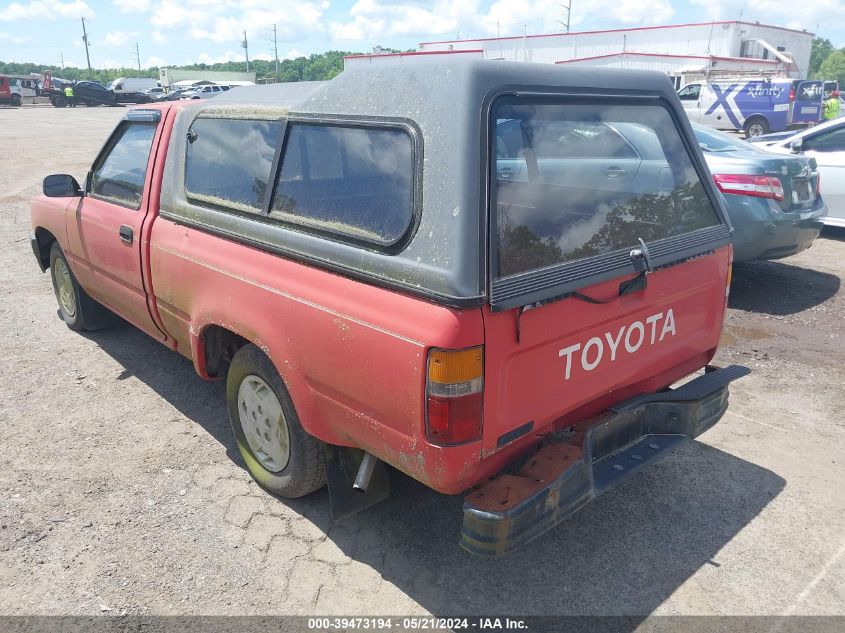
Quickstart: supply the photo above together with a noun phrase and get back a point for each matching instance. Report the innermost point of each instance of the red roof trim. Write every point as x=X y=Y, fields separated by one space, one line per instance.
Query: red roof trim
x=636 y=28
x=633 y=54
x=408 y=54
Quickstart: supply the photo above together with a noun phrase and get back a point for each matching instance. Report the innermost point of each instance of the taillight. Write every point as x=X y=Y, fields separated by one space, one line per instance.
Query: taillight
x=792 y=94
x=454 y=395
x=750 y=185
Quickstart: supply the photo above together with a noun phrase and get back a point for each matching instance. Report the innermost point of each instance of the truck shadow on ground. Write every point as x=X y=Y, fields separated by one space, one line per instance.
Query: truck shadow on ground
x=778 y=289
x=625 y=553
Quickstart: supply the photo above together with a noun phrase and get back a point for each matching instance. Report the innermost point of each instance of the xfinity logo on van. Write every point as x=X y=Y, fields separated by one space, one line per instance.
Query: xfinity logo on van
x=629 y=338
x=762 y=90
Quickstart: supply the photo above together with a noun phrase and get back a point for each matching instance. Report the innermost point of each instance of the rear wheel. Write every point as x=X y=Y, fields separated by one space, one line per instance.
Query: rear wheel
x=76 y=308
x=756 y=126
x=59 y=102
x=280 y=455
x=16 y=100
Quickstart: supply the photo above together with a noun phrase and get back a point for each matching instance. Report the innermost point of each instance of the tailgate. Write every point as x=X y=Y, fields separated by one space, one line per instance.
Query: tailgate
x=571 y=353
x=603 y=284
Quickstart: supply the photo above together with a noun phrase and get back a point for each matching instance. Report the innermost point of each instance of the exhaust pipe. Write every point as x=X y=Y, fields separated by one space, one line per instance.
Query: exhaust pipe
x=365 y=473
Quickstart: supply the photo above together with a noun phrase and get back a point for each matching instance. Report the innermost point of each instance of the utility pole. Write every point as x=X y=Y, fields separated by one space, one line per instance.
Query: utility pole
x=276 y=53
x=246 y=51
x=62 y=57
x=568 y=7
x=87 y=56
x=138 y=58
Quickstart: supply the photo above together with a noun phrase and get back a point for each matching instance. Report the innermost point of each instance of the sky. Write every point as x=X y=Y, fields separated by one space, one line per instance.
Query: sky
x=176 y=32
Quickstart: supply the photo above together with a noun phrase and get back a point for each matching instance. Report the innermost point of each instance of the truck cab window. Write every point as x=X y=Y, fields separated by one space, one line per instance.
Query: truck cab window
x=229 y=160
x=119 y=174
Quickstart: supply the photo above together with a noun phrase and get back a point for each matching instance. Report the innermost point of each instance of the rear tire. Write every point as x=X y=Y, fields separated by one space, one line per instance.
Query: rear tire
x=78 y=310
x=16 y=100
x=756 y=126
x=279 y=454
x=59 y=102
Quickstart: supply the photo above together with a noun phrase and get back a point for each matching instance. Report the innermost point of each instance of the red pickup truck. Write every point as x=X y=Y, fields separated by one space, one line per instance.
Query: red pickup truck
x=484 y=275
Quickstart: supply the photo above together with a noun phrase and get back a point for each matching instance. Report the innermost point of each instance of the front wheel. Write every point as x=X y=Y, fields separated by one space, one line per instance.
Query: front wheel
x=279 y=454
x=76 y=308
x=756 y=126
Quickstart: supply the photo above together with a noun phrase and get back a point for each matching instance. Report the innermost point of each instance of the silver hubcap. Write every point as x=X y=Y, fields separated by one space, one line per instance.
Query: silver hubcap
x=755 y=130
x=263 y=423
x=64 y=288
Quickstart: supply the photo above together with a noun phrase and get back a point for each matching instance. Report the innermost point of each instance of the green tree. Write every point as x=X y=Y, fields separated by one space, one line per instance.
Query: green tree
x=833 y=67
x=820 y=51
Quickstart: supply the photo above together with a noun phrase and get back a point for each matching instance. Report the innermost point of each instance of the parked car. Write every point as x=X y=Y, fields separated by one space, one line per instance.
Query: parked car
x=204 y=92
x=92 y=93
x=173 y=95
x=825 y=144
x=773 y=201
x=512 y=338
x=155 y=92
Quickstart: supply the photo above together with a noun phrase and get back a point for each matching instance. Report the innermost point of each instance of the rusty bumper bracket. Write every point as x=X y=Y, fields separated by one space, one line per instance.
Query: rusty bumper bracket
x=510 y=510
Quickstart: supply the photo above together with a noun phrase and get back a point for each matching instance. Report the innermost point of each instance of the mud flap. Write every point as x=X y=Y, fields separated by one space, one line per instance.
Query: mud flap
x=341 y=467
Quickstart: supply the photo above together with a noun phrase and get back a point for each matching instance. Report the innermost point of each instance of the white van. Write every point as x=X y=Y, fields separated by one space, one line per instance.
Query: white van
x=132 y=84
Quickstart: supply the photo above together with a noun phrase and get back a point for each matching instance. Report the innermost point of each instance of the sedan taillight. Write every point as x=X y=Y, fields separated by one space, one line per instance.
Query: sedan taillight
x=750 y=185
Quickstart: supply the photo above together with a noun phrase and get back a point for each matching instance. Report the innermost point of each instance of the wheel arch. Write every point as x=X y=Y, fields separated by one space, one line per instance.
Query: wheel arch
x=214 y=343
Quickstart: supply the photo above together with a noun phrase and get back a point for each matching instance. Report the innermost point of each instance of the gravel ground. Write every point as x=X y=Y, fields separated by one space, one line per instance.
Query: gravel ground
x=121 y=490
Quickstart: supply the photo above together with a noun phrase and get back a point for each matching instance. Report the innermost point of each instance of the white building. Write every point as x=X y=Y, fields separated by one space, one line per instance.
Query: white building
x=679 y=50
x=168 y=77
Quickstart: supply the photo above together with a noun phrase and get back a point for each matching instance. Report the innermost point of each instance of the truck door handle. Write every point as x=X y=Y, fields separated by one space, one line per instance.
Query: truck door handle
x=126 y=233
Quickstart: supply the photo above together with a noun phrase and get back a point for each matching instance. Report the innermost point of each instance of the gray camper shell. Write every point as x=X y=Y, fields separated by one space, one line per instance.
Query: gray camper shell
x=444 y=110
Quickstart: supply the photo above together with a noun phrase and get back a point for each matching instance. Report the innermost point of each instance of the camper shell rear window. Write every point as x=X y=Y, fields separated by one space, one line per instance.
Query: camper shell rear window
x=575 y=186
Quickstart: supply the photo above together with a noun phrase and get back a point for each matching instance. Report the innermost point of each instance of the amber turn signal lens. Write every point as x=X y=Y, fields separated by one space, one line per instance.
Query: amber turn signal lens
x=453 y=366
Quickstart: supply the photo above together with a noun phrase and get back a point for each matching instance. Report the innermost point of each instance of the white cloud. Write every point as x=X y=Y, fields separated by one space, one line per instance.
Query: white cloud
x=119 y=38
x=14 y=39
x=159 y=37
x=46 y=9
x=153 y=60
x=377 y=19
x=228 y=56
x=225 y=20
x=133 y=6
x=814 y=15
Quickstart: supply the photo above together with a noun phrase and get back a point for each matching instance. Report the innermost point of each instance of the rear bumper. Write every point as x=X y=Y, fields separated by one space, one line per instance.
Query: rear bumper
x=563 y=475
x=760 y=233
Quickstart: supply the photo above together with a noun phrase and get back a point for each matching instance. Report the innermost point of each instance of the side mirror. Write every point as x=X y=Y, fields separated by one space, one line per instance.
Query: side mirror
x=61 y=186
x=796 y=146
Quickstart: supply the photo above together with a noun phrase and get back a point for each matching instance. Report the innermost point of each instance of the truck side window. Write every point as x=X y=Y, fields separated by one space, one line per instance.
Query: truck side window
x=119 y=174
x=619 y=173
x=229 y=160
x=354 y=182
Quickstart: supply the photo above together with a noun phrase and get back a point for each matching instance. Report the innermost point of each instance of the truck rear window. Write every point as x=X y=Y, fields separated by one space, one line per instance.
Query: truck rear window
x=578 y=180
